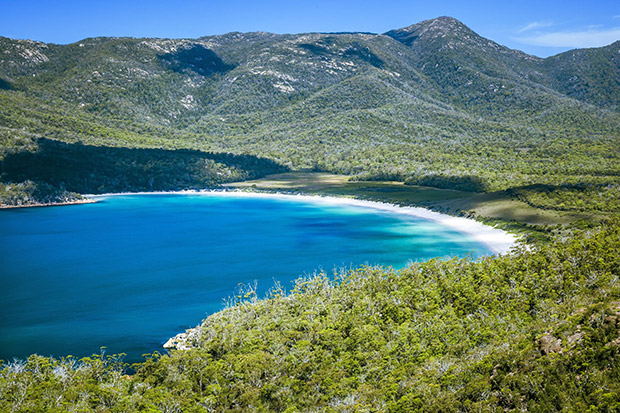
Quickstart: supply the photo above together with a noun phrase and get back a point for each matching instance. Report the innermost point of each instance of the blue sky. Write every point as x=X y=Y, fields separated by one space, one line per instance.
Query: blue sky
x=537 y=27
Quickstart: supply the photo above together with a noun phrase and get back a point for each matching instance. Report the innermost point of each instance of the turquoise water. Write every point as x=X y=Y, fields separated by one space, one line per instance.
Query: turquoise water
x=131 y=271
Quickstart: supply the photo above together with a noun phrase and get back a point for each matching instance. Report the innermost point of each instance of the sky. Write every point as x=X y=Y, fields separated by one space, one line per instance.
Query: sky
x=537 y=27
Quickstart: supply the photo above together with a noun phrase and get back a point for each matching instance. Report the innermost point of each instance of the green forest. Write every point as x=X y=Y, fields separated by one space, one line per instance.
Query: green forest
x=430 y=115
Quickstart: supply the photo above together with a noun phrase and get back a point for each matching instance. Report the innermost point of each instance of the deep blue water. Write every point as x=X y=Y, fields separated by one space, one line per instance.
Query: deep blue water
x=131 y=271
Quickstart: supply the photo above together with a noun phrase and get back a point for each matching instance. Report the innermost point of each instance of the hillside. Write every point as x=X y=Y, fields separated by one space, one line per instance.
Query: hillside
x=428 y=103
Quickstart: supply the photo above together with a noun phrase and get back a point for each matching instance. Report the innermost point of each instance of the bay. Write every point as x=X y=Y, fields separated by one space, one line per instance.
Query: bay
x=130 y=271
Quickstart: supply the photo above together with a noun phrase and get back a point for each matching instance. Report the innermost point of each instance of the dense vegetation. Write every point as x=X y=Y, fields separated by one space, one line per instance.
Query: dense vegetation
x=95 y=169
x=432 y=104
x=26 y=193
x=572 y=198
x=538 y=330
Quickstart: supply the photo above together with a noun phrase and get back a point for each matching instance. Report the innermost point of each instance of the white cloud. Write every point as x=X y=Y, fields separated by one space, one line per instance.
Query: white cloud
x=616 y=16
x=586 y=38
x=534 y=25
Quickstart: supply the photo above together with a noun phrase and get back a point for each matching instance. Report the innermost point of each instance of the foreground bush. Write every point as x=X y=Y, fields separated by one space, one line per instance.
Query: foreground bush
x=537 y=330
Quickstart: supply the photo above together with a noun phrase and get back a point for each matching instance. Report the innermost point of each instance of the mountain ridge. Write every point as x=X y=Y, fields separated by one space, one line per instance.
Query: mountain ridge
x=326 y=100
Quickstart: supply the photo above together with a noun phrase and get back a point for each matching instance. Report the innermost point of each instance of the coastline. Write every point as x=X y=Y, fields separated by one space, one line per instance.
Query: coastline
x=87 y=200
x=497 y=240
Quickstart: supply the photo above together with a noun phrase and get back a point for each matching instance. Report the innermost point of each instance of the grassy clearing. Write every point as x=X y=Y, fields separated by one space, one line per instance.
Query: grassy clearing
x=341 y=185
x=501 y=207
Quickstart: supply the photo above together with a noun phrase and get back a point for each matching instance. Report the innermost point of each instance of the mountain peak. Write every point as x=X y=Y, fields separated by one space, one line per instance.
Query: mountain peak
x=448 y=33
x=431 y=29
x=442 y=23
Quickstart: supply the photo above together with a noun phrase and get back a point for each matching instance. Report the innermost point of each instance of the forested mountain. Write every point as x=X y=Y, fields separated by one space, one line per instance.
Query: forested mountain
x=430 y=100
x=430 y=104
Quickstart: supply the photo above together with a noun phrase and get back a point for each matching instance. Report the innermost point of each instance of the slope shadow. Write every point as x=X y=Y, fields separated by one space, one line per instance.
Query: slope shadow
x=4 y=85
x=96 y=169
x=468 y=183
x=195 y=58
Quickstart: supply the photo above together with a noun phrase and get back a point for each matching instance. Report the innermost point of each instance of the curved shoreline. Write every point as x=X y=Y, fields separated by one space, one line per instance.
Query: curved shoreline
x=497 y=240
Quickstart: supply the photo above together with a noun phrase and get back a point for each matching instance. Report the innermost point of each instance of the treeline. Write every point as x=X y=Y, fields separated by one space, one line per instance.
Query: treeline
x=538 y=330
x=35 y=193
x=96 y=169
x=580 y=198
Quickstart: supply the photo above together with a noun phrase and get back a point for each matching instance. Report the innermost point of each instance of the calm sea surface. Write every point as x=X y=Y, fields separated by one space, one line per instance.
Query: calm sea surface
x=129 y=272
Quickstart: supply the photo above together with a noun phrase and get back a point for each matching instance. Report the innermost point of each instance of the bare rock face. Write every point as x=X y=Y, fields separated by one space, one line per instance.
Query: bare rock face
x=174 y=341
x=180 y=341
x=549 y=344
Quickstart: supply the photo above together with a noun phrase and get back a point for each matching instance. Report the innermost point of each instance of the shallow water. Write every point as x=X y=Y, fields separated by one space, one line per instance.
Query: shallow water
x=131 y=271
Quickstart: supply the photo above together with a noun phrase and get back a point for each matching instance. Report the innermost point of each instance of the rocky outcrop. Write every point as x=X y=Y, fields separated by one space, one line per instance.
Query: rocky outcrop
x=549 y=344
x=181 y=341
x=575 y=339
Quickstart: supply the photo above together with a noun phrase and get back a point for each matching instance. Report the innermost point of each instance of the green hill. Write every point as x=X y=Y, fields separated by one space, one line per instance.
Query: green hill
x=431 y=104
x=433 y=98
